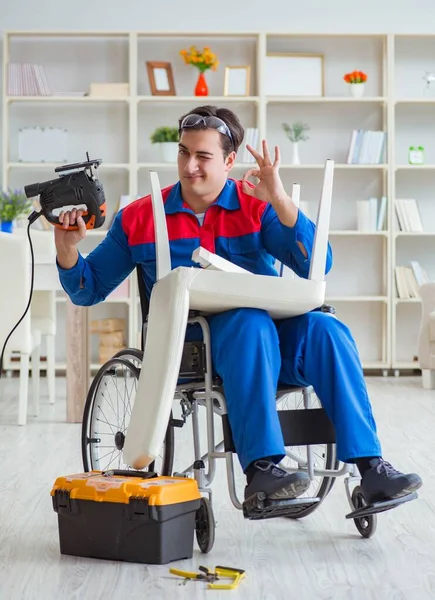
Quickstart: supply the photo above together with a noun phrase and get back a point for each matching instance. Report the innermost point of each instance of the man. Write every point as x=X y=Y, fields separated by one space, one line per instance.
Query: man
x=251 y=225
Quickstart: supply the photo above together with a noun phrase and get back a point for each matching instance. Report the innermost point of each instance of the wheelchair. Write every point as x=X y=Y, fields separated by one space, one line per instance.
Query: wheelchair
x=308 y=435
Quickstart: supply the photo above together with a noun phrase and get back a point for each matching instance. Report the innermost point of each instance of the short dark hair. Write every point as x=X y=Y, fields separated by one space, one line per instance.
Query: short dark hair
x=231 y=120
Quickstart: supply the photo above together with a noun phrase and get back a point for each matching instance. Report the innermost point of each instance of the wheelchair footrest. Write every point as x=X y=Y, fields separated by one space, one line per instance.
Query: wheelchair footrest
x=259 y=506
x=378 y=507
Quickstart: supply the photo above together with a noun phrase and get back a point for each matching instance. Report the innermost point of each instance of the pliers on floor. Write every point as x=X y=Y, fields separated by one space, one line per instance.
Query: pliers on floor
x=236 y=575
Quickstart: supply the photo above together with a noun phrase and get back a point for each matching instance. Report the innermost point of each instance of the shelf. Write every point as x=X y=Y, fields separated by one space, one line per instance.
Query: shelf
x=372 y=364
x=331 y=118
x=324 y=99
x=357 y=299
x=414 y=234
x=170 y=166
x=406 y=365
x=49 y=165
x=80 y=99
x=414 y=167
x=283 y=166
x=350 y=232
x=198 y=99
x=407 y=300
x=414 y=101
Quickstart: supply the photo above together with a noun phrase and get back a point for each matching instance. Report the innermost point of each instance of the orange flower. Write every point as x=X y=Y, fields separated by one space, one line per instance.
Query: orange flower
x=203 y=60
x=355 y=77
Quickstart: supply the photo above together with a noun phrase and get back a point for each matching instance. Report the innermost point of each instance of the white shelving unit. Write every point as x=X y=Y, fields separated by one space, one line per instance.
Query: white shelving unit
x=361 y=283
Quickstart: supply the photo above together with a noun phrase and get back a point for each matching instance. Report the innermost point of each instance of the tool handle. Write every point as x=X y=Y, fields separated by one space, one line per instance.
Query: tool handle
x=129 y=473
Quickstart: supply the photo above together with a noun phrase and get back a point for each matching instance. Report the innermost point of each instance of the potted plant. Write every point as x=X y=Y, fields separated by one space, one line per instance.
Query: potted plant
x=202 y=60
x=13 y=204
x=356 y=83
x=167 y=140
x=296 y=134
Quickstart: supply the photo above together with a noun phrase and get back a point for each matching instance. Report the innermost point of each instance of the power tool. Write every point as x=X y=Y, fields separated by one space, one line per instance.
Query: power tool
x=77 y=187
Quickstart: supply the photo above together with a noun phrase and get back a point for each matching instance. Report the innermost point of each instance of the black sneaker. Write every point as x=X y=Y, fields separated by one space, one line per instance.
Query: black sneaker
x=383 y=482
x=275 y=482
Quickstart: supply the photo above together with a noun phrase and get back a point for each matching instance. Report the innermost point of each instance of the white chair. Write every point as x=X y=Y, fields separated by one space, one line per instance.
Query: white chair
x=426 y=342
x=14 y=297
x=43 y=307
x=219 y=286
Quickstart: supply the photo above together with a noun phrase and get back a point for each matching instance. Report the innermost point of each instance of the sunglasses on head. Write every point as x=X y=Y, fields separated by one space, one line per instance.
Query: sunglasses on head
x=208 y=122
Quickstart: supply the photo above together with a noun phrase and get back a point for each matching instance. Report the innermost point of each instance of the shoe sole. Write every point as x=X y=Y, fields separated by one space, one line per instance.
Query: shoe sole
x=293 y=490
x=405 y=492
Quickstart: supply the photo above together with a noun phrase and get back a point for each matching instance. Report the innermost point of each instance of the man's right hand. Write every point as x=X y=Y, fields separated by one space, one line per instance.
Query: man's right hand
x=66 y=241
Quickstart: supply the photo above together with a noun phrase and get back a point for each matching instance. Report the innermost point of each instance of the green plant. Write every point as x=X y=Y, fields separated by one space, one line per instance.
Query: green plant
x=295 y=133
x=13 y=204
x=164 y=134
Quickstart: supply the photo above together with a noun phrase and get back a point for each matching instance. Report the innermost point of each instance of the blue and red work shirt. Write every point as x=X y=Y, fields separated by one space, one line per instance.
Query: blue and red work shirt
x=238 y=227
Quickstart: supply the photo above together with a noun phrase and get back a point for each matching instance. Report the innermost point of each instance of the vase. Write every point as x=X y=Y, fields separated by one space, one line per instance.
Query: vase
x=168 y=152
x=201 y=88
x=6 y=226
x=356 y=89
x=295 y=158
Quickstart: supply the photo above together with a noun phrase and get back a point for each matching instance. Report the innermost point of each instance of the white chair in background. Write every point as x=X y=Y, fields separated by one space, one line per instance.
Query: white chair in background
x=15 y=279
x=43 y=307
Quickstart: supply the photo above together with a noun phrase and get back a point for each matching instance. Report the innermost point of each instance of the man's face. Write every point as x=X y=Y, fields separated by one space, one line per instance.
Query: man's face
x=202 y=167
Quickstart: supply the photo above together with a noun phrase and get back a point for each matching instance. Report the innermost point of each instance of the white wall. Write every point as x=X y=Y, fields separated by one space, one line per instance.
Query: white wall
x=385 y=16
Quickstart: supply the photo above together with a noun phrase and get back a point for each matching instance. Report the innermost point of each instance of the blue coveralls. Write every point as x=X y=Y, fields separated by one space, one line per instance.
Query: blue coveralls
x=250 y=351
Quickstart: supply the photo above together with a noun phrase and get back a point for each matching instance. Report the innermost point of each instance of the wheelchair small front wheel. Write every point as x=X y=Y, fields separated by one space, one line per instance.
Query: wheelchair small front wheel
x=205 y=526
x=365 y=525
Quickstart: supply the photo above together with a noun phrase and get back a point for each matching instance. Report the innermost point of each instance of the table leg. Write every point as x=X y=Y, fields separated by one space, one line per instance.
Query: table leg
x=77 y=361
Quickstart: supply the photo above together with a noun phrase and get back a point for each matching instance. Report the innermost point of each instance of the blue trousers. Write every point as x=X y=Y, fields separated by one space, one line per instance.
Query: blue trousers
x=252 y=353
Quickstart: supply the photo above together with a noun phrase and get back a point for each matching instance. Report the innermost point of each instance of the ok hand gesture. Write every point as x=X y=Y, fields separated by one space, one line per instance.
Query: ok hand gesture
x=270 y=188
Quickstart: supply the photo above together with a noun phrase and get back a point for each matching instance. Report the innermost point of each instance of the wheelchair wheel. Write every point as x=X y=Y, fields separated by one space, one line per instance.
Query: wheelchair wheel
x=365 y=525
x=107 y=415
x=324 y=455
x=205 y=526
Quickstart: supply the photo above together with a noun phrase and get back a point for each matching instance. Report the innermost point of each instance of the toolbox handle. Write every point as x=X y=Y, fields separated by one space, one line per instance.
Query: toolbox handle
x=129 y=473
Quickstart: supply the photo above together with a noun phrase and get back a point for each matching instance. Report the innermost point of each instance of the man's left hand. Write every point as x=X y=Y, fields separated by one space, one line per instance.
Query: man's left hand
x=269 y=188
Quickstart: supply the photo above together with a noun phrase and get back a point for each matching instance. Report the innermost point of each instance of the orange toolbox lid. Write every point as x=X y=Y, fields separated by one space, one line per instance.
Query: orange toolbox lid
x=98 y=486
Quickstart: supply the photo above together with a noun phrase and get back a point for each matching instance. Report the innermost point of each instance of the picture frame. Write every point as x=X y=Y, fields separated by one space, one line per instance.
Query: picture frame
x=237 y=80
x=294 y=74
x=161 y=78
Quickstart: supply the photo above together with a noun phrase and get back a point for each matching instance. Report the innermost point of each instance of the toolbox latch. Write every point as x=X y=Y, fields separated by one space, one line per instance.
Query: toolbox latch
x=62 y=502
x=137 y=508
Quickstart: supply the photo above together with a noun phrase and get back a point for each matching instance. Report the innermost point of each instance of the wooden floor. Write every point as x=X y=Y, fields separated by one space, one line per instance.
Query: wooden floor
x=320 y=557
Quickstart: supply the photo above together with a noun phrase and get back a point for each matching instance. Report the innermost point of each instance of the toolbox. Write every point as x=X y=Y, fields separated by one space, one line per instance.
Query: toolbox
x=132 y=516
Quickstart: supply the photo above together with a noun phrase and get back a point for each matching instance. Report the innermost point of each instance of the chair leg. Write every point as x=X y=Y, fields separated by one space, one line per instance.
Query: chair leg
x=24 y=389
x=428 y=377
x=51 y=367
x=36 y=367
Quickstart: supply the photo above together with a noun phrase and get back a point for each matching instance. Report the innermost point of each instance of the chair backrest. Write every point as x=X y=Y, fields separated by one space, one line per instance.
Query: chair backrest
x=43 y=301
x=320 y=246
x=15 y=282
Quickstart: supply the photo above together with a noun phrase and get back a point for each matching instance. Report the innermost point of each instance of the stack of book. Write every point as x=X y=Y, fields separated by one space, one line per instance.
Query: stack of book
x=251 y=139
x=366 y=147
x=27 y=80
x=409 y=279
x=369 y=216
x=408 y=215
